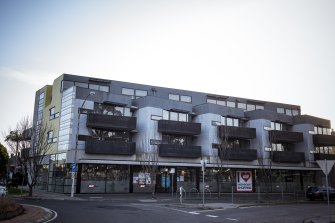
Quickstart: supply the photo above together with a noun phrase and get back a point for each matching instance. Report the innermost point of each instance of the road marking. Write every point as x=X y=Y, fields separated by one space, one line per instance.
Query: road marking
x=251 y=207
x=212 y=216
x=231 y=219
x=193 y=212
x=219 y=209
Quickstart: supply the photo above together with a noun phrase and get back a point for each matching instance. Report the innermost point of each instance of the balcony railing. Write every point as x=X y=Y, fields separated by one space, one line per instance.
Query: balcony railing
x=94 y=146
x=181 y=151
x=237 y=154
x=277 y=136
x=324 y=140
x=322 y=156
x=111 y=122
x=179 y=128
x=231 y=132
x=288 y=157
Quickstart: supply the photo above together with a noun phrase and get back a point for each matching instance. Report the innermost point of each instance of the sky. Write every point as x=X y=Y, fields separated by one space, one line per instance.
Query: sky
x=273 y=50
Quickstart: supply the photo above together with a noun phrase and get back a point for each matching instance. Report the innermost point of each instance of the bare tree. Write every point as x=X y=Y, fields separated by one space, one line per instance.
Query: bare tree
x=265 y=165
x=16 y=140
x=149 y=158
x=223 y=155
x=35 y=156
x=149 y=163
x=30 y=144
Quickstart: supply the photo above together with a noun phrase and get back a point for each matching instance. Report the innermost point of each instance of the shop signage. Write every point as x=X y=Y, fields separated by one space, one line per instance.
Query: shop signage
x=244 y=181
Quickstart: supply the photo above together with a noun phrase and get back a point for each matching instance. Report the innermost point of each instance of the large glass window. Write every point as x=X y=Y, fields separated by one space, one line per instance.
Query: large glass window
x=278 y=126
x=108 y=109
x=230 y=121
x=183 y=98
x=174 y=97
x=231 y=104
x=278 y=147
x=134 y=93
x=214 y=100
x=321 y=130
x=175 y=116
x=111 y=135
x=174 y=139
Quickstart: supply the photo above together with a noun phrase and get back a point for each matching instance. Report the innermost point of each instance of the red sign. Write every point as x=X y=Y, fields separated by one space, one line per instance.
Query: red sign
x=244 y=181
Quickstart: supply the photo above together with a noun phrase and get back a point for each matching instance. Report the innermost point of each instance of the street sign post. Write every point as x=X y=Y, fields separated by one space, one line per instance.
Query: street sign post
x=326 y=166
x=203 y=167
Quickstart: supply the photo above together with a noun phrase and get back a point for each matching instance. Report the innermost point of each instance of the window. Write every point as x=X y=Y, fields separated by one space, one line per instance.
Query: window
x=321 y=130
x=251 y=107
x=324 y=150
x=212 y=101
x=183 y=98
x=50 y=137
x=175 y=116
x=278 y=147
x=231 y=104
x=107 y=109
x=79 y=84
x=174 y=97
x=140 y=93
x=218 y=101
x=295 y=112
x=242 y=106
x=281 y=110
x=128 y=91
x=174 y=140
x=277 y=126
x=259 y=107
x=288 y=111
x=230 y=121
x=53 y=114
x=134 y=93
x=98 y=87
x=156 y=117
x=111 y=135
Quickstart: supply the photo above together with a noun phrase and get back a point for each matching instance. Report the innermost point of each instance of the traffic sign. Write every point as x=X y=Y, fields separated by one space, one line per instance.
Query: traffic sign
x=326 y=165
x=74 y=167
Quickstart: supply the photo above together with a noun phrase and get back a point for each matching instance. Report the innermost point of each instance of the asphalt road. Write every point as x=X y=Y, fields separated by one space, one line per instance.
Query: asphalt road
x=150 y=212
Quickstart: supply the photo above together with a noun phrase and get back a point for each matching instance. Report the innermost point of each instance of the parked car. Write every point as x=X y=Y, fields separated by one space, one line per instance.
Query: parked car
x=320 y=193
x=3 y=191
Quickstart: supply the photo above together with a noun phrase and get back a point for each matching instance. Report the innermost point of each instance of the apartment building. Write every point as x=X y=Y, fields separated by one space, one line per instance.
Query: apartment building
x=113 y=133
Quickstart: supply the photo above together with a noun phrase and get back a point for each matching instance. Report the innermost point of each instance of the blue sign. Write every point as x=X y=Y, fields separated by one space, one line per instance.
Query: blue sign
x=74 y=167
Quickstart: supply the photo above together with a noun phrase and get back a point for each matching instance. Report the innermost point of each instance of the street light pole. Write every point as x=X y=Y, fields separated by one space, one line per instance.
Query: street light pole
x=74 y=164
x=203 y=167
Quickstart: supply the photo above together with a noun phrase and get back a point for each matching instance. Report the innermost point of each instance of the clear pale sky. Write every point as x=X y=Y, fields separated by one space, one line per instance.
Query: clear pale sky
x=281 y=51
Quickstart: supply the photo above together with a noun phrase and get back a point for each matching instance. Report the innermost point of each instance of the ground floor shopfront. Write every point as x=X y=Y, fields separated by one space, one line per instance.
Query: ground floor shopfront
x=111 y=178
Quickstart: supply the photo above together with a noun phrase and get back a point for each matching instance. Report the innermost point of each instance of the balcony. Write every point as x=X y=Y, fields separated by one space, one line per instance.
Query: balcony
x=322 y=156
x=277 y=136
x=111 y=122
x=324 y=140
x=180 y=151
x=238 y=154
x=94 y=146
x=179 y=128
x=288 y=157
x=231 y=132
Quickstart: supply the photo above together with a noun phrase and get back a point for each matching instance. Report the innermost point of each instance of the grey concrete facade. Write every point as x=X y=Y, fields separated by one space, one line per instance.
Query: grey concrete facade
x=166 y=122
